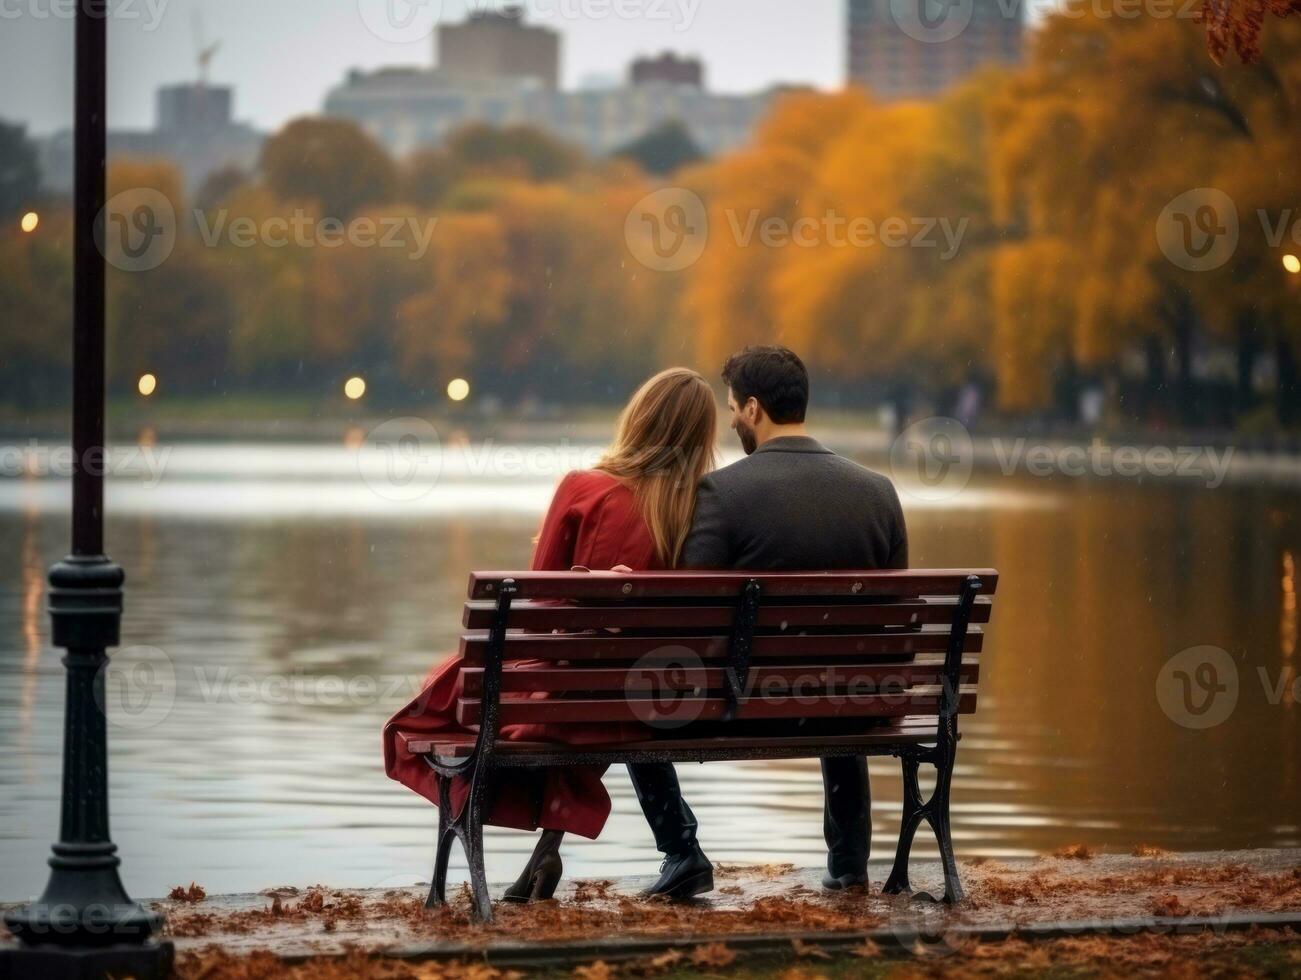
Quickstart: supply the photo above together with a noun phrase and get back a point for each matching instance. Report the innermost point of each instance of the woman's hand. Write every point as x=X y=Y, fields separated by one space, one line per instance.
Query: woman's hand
x=622 y=569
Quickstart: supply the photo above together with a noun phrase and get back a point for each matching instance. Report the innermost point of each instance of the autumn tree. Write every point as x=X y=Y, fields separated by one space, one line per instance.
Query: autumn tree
x=521 y=152
x=665 y=149
x=329 y=161
x=1111 y=121
x=20 y=176
x=36 y=297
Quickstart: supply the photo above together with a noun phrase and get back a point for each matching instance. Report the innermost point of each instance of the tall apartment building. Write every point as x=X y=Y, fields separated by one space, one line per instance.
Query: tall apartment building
x=917 y=48
x=195 y=129
x=496 y=45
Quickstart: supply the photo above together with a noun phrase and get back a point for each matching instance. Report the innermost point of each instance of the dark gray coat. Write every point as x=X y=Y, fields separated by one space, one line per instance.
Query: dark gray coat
x=794 y=505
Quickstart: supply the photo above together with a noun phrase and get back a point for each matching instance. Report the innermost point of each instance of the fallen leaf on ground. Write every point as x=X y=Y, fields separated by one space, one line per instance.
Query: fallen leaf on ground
x=189 y=895
x=795 y=973
x=868 y=950
x=658 y=964
x=713 y=956
x=600 y=970
x=804 y=949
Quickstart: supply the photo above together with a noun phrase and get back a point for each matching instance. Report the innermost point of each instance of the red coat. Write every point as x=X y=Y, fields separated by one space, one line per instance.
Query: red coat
x=593 y=522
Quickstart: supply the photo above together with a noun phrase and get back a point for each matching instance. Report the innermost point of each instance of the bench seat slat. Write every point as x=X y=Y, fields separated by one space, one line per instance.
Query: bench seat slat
x=523 y=680
x=911 y=732
x=561 y=711
x=616 y=646
x=611 y=585
x=539 y=615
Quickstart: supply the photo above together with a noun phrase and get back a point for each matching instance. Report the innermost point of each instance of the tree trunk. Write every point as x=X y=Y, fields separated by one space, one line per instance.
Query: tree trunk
x=1248 y=349
x=1185 y=408
x=1289 y=384
x=1157 y=393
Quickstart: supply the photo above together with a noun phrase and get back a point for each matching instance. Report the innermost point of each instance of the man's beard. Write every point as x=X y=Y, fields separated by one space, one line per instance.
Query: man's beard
x=748 y=442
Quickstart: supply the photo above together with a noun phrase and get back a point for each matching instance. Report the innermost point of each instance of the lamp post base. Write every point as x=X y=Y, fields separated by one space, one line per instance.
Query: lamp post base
x=152 y=961
x=84 y=924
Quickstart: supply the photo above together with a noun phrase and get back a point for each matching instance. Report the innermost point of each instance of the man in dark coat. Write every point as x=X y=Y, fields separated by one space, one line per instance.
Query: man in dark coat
x=790 y=505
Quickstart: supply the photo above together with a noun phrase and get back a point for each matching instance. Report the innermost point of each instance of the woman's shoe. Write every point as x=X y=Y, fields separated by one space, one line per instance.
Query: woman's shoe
x=538 y=881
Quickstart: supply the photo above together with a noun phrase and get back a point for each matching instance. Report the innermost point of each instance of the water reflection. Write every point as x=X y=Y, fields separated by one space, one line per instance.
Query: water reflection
x=33 y=585
x=271 y=576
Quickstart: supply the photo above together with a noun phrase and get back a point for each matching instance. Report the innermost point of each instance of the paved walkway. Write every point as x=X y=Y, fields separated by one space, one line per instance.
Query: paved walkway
x=760 y=908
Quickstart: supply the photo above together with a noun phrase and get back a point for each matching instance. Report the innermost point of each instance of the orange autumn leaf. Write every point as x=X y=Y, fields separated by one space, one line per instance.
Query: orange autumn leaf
x=600 y=970
x=713 y=956
x=801 y=948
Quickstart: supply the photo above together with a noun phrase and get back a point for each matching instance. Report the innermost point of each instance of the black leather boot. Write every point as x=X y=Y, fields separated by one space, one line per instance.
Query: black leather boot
x=538 y=881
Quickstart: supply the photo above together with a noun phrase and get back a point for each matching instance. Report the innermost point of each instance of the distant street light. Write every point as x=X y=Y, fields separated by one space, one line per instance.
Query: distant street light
x=458 y=389
x=1291 y=263
x=147 y=384
x=30 y=220
x=354 y=388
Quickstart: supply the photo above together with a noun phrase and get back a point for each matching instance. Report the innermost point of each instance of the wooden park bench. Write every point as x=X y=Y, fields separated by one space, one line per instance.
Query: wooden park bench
x=714 y=666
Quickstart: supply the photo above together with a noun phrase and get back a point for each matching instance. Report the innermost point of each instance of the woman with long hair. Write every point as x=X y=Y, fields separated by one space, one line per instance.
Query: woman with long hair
x=632 y=510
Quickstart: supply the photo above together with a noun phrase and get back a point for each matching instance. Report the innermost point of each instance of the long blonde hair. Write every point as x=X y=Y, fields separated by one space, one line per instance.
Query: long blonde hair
x=663 y=445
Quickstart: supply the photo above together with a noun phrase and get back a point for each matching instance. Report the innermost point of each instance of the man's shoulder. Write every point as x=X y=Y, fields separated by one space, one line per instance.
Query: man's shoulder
x=860 y=472
x=746 y=471
x=761 y=467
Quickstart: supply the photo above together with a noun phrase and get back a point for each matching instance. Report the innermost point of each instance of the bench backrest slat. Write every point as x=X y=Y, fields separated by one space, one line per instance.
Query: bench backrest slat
x=826 y=646
x=572 y=711
x=675 y=679
x=532 y=614
x=611 y=585
x=626 y=646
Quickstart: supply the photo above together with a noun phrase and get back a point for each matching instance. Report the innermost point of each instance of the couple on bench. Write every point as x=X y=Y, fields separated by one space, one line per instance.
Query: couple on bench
x=655 y=502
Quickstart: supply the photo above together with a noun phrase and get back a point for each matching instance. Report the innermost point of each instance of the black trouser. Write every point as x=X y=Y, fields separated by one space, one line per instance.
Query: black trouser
x=660 y=796
x=846 y=817
x=847 y=814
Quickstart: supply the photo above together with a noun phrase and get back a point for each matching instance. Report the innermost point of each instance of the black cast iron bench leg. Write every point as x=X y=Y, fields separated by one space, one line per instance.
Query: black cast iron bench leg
x=468 y=829
x=935 y=812
x=443 y=846
x=475 y=810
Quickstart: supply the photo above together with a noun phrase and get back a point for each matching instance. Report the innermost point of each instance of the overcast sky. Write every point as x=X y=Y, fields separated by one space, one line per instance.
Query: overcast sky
x=282 y=55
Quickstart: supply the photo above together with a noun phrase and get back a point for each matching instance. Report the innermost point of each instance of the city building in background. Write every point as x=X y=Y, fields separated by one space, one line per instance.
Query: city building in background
x=905 y=49
x=411 y=108
x=194 y=129
x=669 y=69
x=498 y=44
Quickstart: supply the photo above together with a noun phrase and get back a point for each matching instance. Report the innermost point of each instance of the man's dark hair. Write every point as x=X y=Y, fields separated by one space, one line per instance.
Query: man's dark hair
x=773 y=375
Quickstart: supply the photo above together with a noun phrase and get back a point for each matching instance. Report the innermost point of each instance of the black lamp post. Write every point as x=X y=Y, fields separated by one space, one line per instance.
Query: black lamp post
x=85 y=925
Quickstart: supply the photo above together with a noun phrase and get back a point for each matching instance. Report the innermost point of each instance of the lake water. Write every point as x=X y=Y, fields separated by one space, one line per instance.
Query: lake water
x=284 y=599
